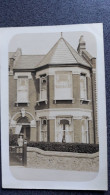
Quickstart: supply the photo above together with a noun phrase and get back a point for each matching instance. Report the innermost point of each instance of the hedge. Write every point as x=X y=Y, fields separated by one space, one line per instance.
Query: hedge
x=62 y=147
x=65 y=147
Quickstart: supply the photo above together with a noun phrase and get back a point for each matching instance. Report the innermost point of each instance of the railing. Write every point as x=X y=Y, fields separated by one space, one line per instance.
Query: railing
x=18 y=155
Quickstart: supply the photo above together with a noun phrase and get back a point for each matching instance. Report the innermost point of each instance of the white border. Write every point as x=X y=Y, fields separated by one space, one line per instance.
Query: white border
x=8 y=181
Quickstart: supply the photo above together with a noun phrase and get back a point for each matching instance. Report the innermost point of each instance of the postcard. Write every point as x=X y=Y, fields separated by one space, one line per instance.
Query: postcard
x=53 y=107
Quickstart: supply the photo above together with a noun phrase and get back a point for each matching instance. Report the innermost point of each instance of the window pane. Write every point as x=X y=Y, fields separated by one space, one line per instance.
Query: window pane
x=43 y=94
x=22 y=96
x=63 y=80
x=85 y=131
x=64 y=131
x=43 y=131
x=63 y=87
x=22 y=90
x=43 y=88
x=83 y=88
x=69 y=136
x=44 y=136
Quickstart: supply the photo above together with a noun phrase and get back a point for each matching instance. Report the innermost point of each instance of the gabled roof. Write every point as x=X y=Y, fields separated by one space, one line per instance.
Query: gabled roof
x=28 y=61
x=62 y=53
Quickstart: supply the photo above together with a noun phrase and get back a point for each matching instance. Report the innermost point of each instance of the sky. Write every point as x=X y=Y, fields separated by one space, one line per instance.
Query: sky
x=40 y=44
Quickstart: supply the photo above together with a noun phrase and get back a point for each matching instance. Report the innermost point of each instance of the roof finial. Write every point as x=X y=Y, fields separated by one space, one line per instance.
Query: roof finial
x=61 y=34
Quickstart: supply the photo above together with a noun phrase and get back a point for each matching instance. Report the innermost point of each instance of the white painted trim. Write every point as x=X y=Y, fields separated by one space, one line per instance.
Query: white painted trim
x=58 y=109
x=52 y=70
x=17 y=74
x=76 y=113
x=13 y=122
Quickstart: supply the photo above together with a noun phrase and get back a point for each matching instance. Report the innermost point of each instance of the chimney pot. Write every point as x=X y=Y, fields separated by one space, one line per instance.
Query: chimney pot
x=82 y=45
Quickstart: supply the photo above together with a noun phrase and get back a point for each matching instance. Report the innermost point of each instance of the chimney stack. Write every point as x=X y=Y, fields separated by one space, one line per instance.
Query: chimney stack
x=82 y=45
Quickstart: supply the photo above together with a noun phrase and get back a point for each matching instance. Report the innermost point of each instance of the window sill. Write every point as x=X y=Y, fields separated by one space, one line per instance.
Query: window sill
x=40 y=101
x=83 y=101
x=19 y=103
x=68 y=99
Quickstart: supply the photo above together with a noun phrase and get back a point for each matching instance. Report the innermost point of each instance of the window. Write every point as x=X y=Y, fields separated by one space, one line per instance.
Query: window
x=22 y=90
x=83 y=87
x=63 y=85
x=44 y=130
x=43 y=87
x=64 y=130
x=85 y=131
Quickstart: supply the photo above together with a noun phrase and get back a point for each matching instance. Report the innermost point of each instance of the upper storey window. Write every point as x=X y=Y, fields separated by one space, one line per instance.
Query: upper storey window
x=83 y=87
x=63 y=85
x=22 y=89
x=43 y=87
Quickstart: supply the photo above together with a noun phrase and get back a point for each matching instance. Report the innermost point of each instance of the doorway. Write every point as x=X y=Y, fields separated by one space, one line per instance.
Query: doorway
x=26 y=131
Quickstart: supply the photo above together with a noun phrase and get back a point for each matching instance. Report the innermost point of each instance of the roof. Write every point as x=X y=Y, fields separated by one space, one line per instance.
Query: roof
x=87 y=54
x=28 y=61
x=62 y=53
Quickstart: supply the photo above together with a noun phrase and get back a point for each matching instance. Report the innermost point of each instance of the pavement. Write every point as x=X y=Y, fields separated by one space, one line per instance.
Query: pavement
x=24 y=173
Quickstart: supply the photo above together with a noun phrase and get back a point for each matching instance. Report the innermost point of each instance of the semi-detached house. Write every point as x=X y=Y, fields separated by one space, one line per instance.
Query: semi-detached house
x=52 y=98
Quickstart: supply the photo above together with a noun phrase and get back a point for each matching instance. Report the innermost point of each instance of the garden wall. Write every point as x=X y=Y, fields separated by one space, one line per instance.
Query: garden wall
x=37 y=158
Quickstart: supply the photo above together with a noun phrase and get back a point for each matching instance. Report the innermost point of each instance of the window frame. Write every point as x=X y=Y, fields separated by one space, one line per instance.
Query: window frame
x=71 y=80
x=41 y=119
x=41 y=76
x=83 y=131
x=84 y=100
x=70 y=120
x=27 y=90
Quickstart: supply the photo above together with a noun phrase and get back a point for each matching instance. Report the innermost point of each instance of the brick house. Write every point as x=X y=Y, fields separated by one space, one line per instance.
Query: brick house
x=53 y=97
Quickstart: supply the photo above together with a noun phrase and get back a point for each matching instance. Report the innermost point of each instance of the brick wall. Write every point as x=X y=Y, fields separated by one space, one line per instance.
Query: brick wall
x=37 y=158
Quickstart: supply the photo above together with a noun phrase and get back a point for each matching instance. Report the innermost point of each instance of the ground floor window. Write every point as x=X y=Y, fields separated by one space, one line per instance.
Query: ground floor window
x=85 y=136
x=43 y=137
x=64 y=130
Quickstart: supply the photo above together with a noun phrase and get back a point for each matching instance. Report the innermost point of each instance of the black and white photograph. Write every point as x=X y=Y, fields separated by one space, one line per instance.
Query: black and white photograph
x=53 y=132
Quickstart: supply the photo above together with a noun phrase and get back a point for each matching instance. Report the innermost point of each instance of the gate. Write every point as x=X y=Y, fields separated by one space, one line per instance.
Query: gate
x=18 y=155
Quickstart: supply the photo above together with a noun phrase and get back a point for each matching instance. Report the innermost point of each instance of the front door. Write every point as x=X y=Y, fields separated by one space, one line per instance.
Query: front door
x=26 y=131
